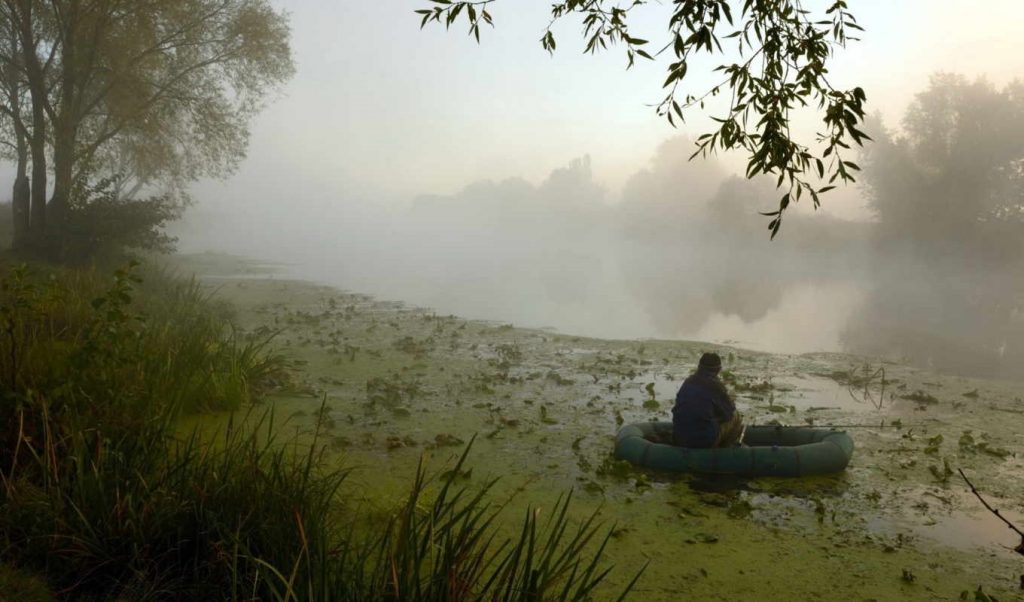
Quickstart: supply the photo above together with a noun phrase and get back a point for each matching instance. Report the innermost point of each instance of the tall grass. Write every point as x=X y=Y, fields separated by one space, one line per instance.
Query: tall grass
x=96 y=492
x=443 y=543
x=100 y=496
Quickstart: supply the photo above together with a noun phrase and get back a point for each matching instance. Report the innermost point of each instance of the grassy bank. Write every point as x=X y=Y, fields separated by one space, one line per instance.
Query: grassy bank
x=102 y=497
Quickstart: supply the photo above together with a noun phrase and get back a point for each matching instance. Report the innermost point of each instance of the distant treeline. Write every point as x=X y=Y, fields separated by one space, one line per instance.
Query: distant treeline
x=939 y=258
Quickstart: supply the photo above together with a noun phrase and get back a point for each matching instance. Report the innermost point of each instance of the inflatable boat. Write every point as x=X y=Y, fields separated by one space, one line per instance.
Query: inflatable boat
x=776 y=451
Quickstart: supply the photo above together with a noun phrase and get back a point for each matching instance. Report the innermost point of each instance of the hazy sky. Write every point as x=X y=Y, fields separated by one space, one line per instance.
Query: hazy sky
x=381 y=108
x=381 y=112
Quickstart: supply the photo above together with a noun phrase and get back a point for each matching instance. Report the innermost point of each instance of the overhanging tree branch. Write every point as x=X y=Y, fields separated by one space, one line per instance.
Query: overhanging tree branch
x=794 y=47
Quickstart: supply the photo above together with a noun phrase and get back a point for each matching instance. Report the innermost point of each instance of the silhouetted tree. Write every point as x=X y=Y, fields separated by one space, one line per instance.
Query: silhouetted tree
x=137 y=92
x=952 y=179
x=947 y=190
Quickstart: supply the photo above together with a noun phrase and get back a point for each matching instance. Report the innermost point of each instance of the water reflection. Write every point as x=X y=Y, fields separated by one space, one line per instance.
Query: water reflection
x=682 y=254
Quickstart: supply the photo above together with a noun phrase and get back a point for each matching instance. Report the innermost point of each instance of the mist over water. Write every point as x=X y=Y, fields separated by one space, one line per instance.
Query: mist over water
x=680 y=255
x=934 y=275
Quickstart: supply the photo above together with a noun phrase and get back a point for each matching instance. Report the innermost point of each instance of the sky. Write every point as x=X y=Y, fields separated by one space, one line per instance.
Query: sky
x=385 y=111
x=420 y=165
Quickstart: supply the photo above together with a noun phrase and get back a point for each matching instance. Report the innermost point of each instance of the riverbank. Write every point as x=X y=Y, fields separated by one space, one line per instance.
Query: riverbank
x=401 y=382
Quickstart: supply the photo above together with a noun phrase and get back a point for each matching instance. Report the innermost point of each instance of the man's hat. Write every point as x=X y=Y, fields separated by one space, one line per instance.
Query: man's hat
x=710 y=360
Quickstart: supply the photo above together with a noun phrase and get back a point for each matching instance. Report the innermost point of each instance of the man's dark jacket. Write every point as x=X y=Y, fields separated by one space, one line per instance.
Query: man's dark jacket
x=701 y=404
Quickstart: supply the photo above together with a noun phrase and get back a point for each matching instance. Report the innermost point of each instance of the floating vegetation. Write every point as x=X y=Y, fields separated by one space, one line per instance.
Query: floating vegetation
x=613 y=468
x=416 y=348
x=942 y=473
x=395 y=442
x=509 y=352
x=447 y=440
x=546 y=409
x=701 y=537
x=740 y=509
x=558 y=379
x=921 y=397
x=969 y=445
x=933 y=445
x=391 y=392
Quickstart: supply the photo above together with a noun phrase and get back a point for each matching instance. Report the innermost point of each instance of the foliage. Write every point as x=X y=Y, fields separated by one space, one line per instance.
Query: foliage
x=959 y=158
x=158 y=93
x=186 y=77
x=69 y=340
x=947 y=190
x=448 y=548
x=781 y=57
x=102 y=224
x=101 y=494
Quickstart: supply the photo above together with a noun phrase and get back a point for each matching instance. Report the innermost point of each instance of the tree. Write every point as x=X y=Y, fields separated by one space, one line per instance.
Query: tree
x=947 y=190
x=782 y=52
x=16 y=137
x=959 y=161
x=145 y=93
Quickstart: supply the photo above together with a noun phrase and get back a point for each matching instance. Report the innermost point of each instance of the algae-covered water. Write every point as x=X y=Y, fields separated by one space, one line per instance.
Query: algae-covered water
x=402 y=383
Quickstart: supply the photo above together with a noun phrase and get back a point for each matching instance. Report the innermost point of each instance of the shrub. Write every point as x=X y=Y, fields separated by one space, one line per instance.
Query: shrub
x=107 y=227
x=99 y=493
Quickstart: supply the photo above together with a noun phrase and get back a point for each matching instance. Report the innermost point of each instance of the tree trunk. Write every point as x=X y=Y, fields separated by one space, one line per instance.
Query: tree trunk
x=20 y=197
x=65 y=134
x=20 y=207
x=57 y=210
x=37 y=141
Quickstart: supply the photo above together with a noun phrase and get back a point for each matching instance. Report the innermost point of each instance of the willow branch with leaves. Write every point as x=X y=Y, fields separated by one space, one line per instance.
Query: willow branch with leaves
x=782 y=53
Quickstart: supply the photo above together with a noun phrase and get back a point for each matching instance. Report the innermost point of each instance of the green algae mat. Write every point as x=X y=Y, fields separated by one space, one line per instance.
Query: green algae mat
x=402 y=383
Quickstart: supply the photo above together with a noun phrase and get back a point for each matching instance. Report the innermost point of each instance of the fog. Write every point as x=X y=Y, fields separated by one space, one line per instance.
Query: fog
x=679 y=255
x=549 y=215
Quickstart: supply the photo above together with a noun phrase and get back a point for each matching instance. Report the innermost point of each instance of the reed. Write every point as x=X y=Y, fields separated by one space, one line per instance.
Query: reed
x=104 y=499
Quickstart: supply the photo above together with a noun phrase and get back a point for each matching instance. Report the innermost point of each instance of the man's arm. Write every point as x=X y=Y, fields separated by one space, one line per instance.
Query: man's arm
x=723 y=404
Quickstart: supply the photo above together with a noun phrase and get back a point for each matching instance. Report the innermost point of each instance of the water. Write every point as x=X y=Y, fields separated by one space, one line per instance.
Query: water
x=954 y=516
x=809 y=317
x=819 y=392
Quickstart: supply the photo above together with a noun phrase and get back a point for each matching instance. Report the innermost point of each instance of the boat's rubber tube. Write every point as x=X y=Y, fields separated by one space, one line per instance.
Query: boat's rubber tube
x=777 y=451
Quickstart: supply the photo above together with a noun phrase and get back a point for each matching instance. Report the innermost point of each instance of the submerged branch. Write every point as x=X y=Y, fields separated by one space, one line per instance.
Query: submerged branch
x=1020 y=547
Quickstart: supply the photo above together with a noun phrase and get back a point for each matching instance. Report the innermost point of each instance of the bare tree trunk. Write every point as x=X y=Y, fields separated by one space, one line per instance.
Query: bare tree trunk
x=20 y=197
x=57 y=210
x=20 y=206
x=37 y=141
x=65 y=133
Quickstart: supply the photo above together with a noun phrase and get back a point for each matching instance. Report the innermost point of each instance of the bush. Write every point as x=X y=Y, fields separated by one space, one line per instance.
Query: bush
x=104 y=226
x=100 y=495
x=172 y=347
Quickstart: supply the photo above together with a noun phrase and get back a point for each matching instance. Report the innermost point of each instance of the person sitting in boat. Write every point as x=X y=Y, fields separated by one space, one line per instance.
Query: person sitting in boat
x=704 y=414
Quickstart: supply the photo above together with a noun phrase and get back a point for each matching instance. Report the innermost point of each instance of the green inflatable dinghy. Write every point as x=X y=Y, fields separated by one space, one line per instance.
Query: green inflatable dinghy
x=775 y=451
